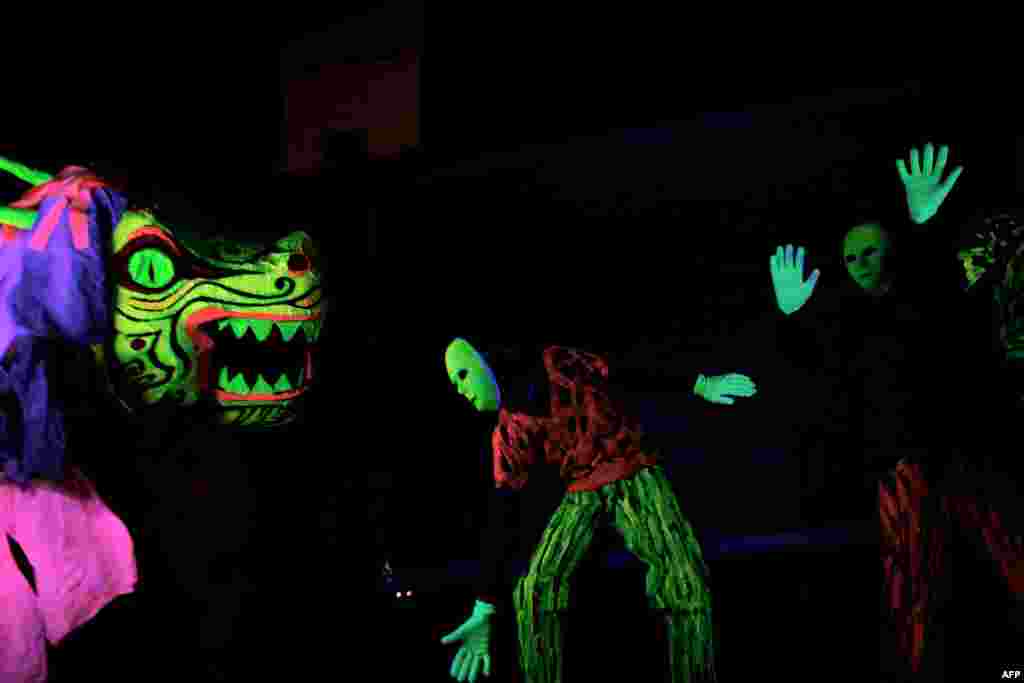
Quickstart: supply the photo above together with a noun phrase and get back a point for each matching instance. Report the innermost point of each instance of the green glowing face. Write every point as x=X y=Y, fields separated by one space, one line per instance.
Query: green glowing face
x=214 y=318
x=864 y=252
x=472 y=376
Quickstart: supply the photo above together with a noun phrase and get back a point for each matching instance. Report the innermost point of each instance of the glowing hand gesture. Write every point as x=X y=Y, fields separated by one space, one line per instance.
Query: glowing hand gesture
x=924 y=185
x=719 y=389
x=475 y=654
x=791 y=291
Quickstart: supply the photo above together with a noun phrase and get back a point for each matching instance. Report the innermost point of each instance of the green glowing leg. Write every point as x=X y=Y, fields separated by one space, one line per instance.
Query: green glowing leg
x=543 y=593
x=645 y=512
x=690 y=646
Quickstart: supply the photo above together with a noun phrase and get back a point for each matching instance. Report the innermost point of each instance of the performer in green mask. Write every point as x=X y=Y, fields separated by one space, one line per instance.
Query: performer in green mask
x=563 y=428
x=909 y=356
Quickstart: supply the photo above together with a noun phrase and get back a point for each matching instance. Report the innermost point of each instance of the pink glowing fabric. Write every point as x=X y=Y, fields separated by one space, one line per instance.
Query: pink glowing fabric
x=82 y=557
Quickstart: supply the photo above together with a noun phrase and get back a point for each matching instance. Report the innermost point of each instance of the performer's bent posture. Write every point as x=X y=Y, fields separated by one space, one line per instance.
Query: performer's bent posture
x=913 y=364
x=572 y=420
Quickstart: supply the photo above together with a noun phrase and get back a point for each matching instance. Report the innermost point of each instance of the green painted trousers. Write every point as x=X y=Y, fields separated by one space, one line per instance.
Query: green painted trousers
x=644 y=511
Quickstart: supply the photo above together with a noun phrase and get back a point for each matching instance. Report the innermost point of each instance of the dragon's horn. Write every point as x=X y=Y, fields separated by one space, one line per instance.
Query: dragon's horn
x=22 y=219
x=24 y=173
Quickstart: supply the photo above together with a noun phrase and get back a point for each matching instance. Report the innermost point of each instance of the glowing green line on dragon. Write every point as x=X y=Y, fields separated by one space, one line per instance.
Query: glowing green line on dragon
x=206 y=318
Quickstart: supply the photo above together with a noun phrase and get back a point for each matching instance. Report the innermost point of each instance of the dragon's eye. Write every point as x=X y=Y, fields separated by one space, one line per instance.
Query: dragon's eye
x=151 y=268
x=298 y=263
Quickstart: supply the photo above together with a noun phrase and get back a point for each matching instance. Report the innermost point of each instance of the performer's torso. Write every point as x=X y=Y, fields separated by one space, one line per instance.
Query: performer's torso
x=586 y=433
x=904 y=367
x=591 y=439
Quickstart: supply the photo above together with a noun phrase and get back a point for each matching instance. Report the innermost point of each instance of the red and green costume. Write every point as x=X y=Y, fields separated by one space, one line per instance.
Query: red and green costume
x=611 y=482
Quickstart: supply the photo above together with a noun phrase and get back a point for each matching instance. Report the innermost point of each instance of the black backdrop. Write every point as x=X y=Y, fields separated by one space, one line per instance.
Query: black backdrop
x=527 y=184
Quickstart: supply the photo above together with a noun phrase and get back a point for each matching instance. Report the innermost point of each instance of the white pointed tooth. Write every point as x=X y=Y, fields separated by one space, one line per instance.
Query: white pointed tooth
x=288 y=329
x=222 y=323
x=302 y=377
x=312 y=329
x=223 y=381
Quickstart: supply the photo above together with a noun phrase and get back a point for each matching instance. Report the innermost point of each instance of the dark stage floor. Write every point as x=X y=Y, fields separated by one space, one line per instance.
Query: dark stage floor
x=798 y=612
x=800 y=615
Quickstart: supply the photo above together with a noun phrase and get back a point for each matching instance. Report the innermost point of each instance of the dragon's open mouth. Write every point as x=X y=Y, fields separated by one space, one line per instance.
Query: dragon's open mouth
x=264 y=358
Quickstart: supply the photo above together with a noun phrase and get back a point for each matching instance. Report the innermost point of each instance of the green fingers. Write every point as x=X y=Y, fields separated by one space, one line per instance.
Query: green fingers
x=924 y=185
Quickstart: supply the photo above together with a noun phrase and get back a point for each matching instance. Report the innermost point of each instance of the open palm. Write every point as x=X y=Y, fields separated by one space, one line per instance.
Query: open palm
x=791 y=290
x=926 y=190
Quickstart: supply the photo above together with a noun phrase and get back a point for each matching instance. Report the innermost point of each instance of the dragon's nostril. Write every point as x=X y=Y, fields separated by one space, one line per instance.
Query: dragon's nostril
x=298 y=263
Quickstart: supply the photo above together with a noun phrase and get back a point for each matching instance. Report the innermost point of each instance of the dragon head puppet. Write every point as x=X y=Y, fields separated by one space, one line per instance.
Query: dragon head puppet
x=235 y=324
x=203 y=319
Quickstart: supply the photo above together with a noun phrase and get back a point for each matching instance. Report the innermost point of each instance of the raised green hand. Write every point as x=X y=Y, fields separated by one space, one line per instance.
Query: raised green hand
x=924 y=185
x=791 y=291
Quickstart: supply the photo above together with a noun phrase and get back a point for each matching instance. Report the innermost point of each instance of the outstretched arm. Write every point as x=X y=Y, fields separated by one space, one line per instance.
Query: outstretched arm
x=803 y=343
x=935 y=263
x=629 y=386
x=723 y=389
x=787 y=269
x=30 y=176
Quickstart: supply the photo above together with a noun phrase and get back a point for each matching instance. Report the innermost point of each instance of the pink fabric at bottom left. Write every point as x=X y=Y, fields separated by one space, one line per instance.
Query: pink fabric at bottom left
x=82 y=557
x=22 y=633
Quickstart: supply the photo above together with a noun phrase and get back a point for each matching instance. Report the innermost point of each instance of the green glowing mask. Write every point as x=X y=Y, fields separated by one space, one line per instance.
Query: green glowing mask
x=472 y=376
x=864 y=254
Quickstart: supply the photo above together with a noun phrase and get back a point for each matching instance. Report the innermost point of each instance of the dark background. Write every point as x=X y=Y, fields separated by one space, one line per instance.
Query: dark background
x=616 y=183
x=621 y=188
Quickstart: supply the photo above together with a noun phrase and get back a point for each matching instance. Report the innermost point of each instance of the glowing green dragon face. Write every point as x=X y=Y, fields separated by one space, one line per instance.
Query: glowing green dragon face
x=214 y=319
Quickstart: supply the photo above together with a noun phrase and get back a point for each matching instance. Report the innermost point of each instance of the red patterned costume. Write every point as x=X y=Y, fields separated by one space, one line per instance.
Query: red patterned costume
x=919 y=519
x=912 y=407
x=591 y=471
x=588 y=436
x=976 y=497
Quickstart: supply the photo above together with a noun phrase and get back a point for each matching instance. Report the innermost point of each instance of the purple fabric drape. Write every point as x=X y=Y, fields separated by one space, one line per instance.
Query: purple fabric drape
x=52 y=285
